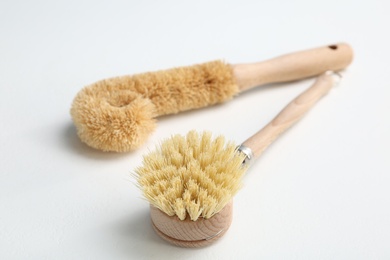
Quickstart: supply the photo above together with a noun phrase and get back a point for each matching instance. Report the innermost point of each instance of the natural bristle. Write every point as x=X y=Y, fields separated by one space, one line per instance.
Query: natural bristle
x=117 y=114
x=192 y=175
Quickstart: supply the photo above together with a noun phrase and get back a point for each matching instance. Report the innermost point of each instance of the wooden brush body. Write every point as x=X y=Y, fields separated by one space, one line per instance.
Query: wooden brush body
x=188 y=233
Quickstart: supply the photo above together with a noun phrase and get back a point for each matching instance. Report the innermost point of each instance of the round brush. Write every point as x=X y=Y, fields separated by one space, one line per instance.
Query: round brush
x=118 y=114
x=190 y=180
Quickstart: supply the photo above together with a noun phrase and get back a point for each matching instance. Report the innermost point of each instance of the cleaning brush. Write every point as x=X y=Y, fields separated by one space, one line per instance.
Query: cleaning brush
x=118 y=114
x=190 y=180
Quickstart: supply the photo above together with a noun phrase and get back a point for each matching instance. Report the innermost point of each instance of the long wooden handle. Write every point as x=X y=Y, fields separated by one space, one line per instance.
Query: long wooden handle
x=293 y=66
x=290 y=114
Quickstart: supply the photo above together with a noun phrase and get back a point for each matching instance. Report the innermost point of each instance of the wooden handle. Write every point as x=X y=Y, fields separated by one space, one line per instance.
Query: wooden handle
x=293 y=66
x=290 y=114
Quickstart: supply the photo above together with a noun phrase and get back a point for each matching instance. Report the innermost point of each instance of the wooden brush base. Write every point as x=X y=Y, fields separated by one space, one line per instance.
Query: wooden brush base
x=188 y=233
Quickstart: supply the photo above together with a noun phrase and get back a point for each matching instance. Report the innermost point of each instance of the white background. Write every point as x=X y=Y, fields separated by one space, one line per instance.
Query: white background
x=322 y=191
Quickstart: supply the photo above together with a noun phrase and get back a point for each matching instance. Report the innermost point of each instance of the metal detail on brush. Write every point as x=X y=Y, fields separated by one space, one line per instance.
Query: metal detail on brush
x=247 y=152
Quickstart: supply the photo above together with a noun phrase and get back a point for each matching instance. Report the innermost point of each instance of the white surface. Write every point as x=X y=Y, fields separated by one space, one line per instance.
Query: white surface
x=320 y=192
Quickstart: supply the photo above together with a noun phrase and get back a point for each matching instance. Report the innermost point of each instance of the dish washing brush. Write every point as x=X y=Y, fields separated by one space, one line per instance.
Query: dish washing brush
x=118 y=114
x=190 y=180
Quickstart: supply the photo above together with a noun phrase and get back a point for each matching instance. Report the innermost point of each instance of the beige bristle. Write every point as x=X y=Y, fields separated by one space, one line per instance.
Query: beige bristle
x=117 y=114
x=192 y=175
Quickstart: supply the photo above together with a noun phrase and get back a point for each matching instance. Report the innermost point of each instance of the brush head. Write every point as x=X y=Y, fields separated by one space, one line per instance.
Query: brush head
x=191 y=176
x=116 y=121
x=117 y=114
x=189 y=181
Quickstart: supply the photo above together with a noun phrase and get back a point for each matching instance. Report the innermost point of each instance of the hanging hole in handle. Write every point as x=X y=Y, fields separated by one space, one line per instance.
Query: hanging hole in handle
x=333 y=47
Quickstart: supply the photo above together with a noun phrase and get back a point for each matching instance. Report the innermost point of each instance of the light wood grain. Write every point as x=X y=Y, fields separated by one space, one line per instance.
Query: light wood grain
x=290 y=114
x=293 y=66
x=188 y=233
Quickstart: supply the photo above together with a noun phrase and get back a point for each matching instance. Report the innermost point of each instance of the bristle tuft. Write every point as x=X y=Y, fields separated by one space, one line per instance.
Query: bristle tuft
x=193 y=175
